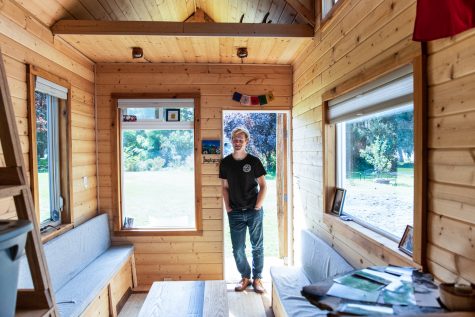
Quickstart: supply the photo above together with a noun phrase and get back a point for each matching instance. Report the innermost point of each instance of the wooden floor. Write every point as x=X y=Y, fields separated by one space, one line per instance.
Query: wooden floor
x=247 y=303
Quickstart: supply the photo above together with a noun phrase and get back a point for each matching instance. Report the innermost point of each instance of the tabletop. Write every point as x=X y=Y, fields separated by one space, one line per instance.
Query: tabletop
x=186 y=298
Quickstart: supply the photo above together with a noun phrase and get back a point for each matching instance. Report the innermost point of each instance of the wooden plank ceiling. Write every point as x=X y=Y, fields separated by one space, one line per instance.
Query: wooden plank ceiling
x=176 y=48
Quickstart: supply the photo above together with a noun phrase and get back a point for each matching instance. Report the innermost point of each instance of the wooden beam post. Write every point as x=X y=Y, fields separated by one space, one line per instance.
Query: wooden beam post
x=93 y=27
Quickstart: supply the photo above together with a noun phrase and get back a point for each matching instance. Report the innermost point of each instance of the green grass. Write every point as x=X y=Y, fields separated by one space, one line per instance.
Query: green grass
x=388 y=207
x=403 y=177
x=158 y=199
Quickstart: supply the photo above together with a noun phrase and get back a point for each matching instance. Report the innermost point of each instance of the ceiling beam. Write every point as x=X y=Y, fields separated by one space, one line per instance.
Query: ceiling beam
x=307 y=14
x=93 y=27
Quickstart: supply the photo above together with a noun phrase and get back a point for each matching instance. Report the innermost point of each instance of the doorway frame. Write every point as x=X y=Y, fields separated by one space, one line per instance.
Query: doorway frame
x=288 y=211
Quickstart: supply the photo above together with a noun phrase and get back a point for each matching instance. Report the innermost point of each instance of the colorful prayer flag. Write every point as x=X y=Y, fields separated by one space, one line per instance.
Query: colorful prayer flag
x=237 y=96
x=262 y=100
x=245 y=100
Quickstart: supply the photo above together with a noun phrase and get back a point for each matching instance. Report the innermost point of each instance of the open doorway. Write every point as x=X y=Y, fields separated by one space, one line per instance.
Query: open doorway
x=269 y=142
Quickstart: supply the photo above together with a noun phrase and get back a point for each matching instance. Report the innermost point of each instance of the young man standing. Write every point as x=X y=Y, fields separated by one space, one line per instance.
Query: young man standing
x=241 y=173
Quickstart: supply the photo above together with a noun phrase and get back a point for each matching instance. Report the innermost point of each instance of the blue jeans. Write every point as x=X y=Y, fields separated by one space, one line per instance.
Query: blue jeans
x=239 y=221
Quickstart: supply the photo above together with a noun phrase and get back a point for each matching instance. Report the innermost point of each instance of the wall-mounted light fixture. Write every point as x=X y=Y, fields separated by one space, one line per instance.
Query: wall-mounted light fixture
x=137 y=52
x=241 y=53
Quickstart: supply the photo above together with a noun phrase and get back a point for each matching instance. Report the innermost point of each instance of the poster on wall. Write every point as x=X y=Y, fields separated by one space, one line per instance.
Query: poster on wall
x=211 y=151
x=211 y=147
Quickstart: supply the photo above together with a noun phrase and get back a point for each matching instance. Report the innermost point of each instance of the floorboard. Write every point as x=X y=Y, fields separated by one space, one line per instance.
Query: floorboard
x=247 y=303
x=133 y=305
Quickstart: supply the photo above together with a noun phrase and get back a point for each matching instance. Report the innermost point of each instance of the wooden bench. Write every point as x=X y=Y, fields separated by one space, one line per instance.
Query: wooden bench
x=186 y=298
x=88 y=275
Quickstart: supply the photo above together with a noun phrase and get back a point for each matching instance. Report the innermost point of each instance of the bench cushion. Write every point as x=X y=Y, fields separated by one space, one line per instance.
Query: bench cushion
x=73 y=298
x=69 y=253
x=288 y=281
x=319 y=260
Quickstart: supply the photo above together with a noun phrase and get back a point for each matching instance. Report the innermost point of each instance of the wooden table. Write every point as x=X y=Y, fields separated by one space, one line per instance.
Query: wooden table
x=186 y=298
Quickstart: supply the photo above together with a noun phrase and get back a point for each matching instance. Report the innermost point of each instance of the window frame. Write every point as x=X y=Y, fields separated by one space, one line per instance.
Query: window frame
x=340 y=165
x=324 y=20
x=65 y=151
x=420 y=156
x=117 y=167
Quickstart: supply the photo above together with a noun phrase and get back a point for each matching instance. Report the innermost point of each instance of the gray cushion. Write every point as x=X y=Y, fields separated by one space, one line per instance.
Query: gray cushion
x=73 y=298
x=81 y=263
x=319 y=260
x=69 y=253
x=288 y=282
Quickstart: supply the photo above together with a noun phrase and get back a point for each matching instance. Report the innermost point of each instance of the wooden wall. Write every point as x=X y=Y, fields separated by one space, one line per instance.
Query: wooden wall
x=23 y=40
x=184 y=257
x=362 y=36
x=451 y=217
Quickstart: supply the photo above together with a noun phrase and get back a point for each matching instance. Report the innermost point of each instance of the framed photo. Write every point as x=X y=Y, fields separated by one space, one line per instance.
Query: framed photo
x=172 y=115
x=210 y=147
x=338 y=201
x=406 y=244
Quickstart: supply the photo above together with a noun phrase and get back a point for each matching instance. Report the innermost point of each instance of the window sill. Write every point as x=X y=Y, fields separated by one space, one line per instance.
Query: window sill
x=53 y=233
x=156 y=232
x=386 y=249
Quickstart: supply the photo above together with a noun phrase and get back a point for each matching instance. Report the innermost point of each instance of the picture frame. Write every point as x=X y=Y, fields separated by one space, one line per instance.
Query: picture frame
x=406 y=244
x=172 y=115
x=210 y=147
x=338 y=201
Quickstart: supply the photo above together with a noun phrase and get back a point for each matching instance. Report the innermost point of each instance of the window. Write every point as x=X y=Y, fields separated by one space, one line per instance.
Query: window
x=157 y=165
x=327 y=5
x=49 y=156
x=374 y=129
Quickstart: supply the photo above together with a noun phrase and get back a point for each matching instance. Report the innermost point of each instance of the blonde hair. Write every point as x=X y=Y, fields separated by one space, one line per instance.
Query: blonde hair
x=238 y=130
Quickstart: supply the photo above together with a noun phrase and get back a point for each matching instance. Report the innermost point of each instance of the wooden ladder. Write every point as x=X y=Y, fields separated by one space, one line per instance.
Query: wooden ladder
x=40 y=300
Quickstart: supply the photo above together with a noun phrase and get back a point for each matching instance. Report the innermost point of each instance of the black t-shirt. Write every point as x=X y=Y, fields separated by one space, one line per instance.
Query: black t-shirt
x=242 y=178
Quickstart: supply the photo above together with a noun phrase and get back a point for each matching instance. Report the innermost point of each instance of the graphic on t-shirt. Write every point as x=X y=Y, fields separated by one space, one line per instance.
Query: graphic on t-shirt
x=246 y=168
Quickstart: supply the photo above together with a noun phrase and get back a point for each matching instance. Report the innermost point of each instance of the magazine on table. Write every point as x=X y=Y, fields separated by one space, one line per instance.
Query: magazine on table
x=347 y=292
x=374 y=286
x=362 y=309
x=355 y=281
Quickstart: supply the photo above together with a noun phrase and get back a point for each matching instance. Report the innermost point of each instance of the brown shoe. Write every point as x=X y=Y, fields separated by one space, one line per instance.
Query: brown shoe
x=242 y=285
x=258 y=287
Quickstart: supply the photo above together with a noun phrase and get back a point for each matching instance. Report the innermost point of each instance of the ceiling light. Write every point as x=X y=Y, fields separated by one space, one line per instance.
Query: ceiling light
x=242 y=52
x=137 y=52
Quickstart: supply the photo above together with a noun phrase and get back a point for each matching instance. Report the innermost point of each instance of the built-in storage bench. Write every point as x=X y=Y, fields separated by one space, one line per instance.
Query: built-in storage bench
x=319 y=262
x=89 y=276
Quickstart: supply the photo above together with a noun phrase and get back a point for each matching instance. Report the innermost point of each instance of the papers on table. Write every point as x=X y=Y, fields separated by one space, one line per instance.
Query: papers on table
x=355 y=281
x=359 y=309
x=379 y=288
x=402 y=295
x=379 y=277
x=399 y=270
x=343 y=291
x=370 y=285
